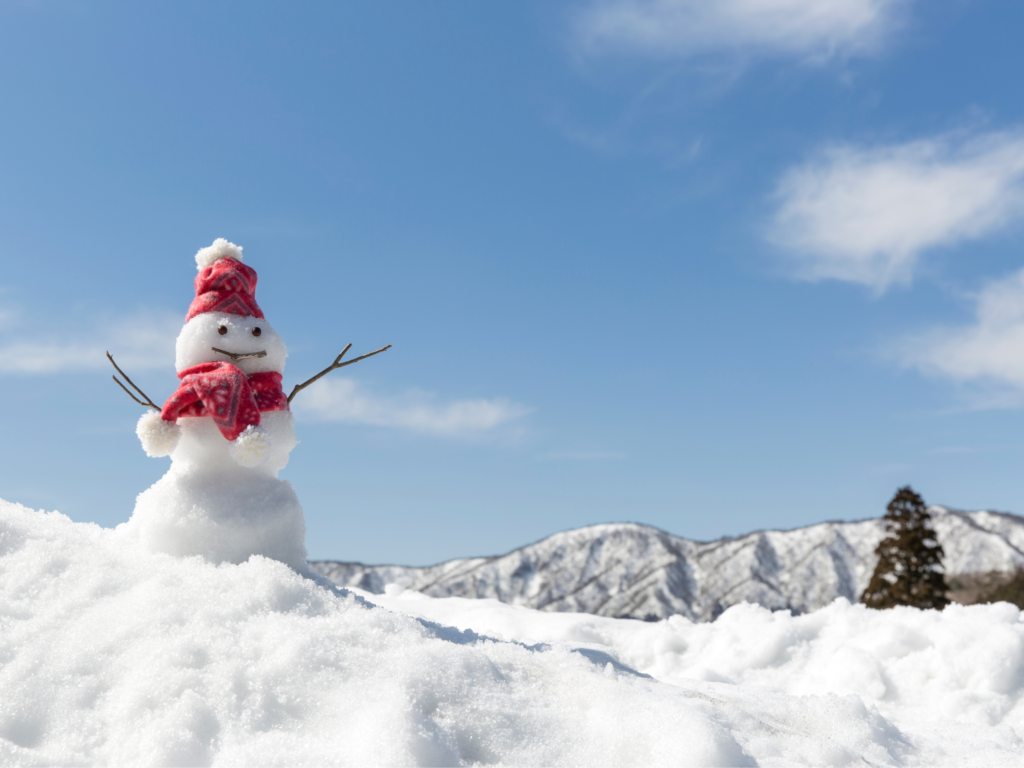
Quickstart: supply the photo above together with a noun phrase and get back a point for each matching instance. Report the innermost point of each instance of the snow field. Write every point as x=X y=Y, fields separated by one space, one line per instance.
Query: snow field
x=112 y=654
x=966 y=662
x=951 y=681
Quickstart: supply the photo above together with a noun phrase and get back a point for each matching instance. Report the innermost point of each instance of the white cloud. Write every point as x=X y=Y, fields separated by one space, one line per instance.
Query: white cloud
x=136 y=342
x=814 y=29
x=988 y=351
x=867 y=215
x=345 y=400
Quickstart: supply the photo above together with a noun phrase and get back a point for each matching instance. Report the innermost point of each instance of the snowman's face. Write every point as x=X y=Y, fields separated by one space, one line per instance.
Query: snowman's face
x=233 y=335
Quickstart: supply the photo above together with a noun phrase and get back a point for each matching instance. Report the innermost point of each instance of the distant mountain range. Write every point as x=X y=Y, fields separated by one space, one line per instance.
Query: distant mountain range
x=636 y=571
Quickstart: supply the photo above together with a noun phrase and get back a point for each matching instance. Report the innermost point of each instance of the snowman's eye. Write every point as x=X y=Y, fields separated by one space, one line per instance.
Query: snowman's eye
x=222 y=330
x=256 y=331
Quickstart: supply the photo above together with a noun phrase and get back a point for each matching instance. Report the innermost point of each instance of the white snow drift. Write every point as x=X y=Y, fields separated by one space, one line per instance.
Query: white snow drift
x=116 y=655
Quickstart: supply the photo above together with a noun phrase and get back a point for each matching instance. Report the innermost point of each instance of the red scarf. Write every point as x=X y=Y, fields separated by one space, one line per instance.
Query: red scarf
x=222 y=392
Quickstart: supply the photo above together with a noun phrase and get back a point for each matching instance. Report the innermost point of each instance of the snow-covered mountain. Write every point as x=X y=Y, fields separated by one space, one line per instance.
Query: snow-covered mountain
x=636 y=571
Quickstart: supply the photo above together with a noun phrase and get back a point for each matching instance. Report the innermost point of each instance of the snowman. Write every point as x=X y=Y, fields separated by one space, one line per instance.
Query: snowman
x=228 y=430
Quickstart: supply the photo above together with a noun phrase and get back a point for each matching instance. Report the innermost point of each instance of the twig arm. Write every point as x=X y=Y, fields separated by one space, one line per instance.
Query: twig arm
x=148 y=403
x=133 y=397
x=335 y=365
x=324 y=372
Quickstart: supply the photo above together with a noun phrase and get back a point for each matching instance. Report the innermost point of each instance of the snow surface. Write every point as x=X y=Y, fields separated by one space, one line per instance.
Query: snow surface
x=110 y=653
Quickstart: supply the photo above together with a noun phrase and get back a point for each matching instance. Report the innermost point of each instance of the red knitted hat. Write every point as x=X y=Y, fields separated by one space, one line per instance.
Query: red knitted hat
x=224 y=283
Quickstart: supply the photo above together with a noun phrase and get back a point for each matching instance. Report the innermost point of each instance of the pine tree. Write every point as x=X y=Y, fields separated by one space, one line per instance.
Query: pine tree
x=909 y=570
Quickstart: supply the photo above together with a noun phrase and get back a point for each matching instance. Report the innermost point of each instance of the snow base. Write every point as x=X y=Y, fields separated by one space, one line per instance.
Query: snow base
x=116 y=655
x=209 y=505
x=223 y=519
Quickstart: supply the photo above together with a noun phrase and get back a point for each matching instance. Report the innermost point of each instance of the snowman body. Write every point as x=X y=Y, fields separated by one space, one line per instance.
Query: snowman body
x=221 y=498
x=208 y=505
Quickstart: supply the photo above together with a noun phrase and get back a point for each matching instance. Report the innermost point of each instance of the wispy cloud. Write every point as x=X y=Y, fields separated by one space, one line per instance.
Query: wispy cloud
x=865 y=215
x=988 y=351
x=811 y=29
x=347 y=401
x=145 y=340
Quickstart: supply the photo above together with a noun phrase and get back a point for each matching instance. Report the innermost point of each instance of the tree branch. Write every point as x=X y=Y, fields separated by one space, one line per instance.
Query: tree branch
x=336 y=364
x=148 y=403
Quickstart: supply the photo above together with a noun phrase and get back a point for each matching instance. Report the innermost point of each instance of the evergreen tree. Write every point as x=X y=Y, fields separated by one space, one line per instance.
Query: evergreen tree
x=909 y=570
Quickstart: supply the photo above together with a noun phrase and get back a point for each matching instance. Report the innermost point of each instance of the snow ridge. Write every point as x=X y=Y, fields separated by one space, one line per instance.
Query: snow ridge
x=629 y=570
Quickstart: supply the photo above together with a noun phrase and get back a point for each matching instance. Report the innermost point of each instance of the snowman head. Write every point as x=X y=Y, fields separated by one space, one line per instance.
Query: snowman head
x=224 y=323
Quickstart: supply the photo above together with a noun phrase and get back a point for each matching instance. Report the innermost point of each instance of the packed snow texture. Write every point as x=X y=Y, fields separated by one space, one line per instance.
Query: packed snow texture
x=636 y=571
x=113 y=654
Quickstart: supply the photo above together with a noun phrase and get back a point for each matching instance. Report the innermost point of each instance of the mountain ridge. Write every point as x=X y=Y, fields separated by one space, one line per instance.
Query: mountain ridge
x=639 y=571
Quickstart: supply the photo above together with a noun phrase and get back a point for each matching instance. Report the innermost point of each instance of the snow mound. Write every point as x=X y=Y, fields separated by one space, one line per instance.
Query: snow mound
x=952 y=682
x=112 y=654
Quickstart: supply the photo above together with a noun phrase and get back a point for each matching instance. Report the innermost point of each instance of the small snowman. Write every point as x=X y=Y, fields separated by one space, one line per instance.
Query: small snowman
x=228 y=429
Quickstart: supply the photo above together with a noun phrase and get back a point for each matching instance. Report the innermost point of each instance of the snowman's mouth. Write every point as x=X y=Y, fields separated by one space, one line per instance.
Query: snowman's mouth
x=246 y=356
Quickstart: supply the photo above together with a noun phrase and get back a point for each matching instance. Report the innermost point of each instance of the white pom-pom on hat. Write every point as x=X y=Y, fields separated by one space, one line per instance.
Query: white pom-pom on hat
x=158 y=437
x=250 y=448
x=221 y=249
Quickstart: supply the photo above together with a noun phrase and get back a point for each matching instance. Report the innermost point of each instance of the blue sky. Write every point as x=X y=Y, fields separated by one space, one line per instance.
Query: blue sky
x=712 y=267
